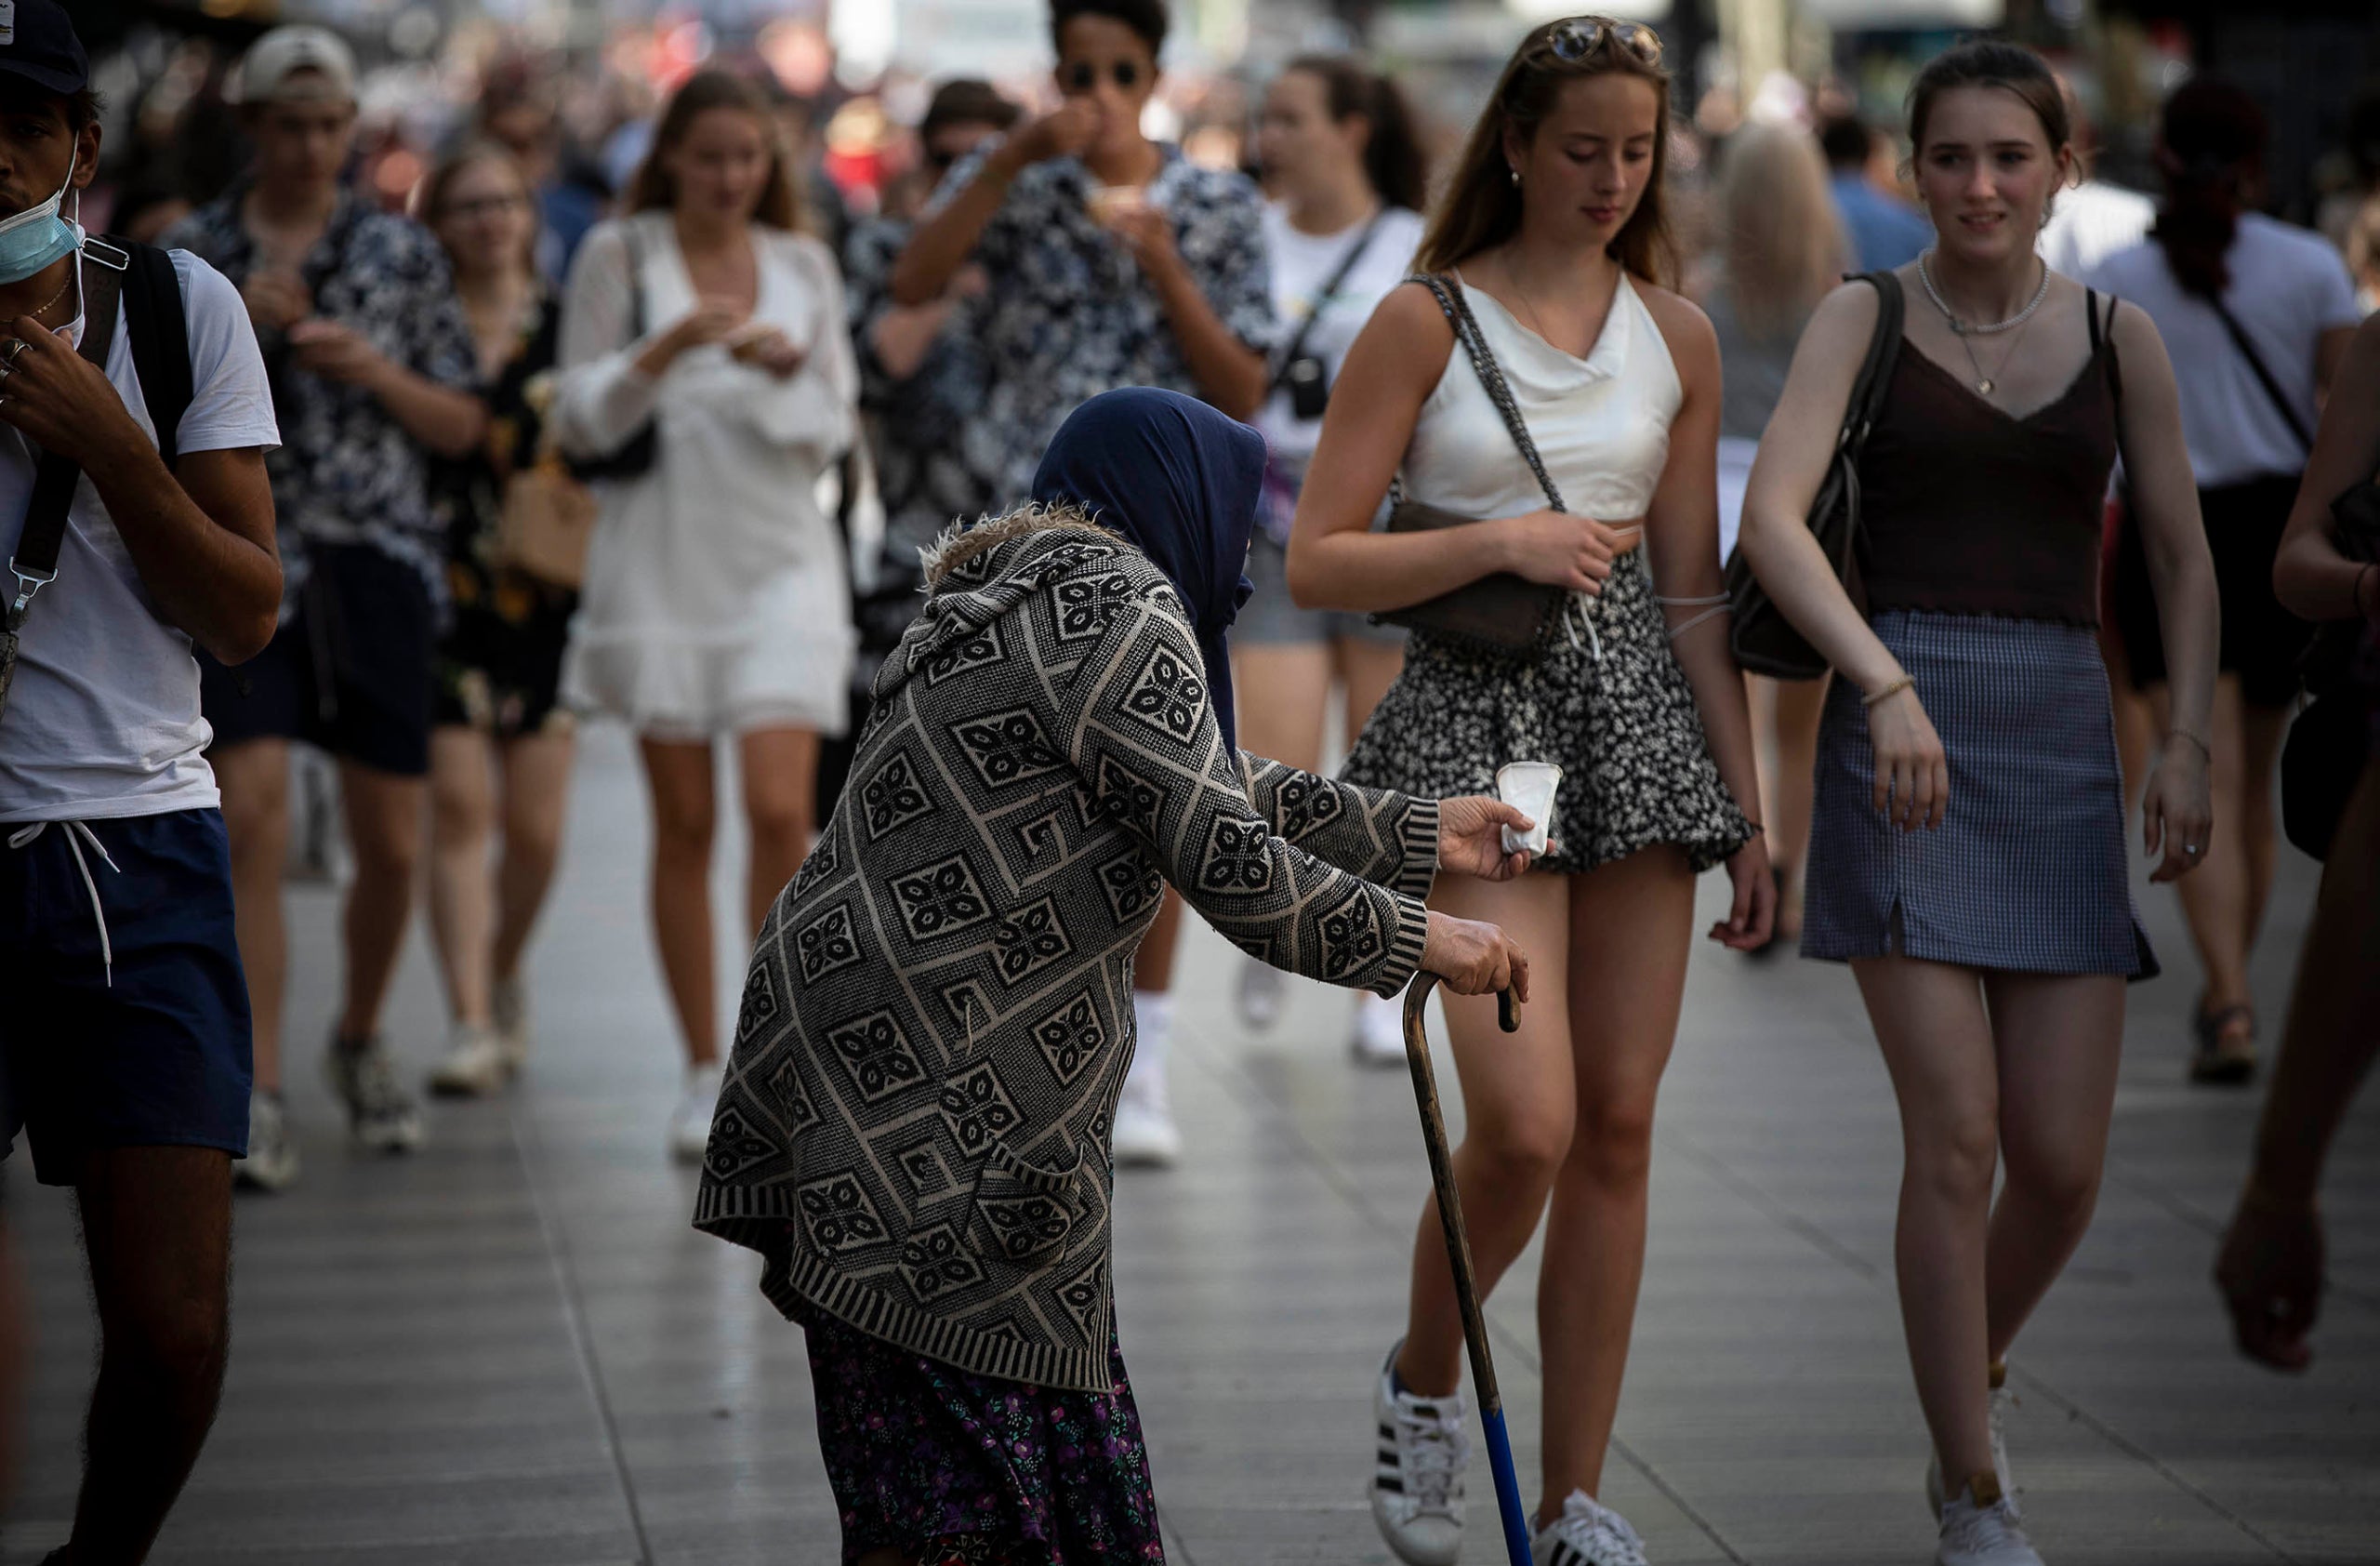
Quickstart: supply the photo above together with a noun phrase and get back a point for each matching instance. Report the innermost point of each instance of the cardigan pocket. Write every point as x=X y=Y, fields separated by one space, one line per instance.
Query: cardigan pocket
x=1025 y=1211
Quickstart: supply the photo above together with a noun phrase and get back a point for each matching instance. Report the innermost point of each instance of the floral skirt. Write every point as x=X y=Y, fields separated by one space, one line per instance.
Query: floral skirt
x=965 y=1470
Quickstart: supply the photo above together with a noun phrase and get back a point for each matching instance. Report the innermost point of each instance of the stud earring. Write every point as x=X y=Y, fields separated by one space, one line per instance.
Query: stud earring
x=1515 y=174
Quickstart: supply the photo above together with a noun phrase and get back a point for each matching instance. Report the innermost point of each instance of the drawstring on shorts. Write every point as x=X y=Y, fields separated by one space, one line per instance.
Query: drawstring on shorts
x=77 y=834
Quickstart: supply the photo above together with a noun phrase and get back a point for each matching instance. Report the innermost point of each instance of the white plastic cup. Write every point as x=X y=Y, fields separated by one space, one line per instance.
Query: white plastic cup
x=1530 y=787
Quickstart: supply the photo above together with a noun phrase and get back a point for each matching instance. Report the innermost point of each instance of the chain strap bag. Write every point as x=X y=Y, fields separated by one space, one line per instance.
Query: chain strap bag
x=1762 y=638
x=1504 y=613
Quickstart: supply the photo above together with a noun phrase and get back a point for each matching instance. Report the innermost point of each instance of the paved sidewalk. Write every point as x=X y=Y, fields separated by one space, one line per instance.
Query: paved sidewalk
x=512 y=1349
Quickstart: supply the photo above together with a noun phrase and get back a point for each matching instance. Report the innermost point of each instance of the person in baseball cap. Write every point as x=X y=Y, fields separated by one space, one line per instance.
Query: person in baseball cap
x=38 y=45
x=297 y=64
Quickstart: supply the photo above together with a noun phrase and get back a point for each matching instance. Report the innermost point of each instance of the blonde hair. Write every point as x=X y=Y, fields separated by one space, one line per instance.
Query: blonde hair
x=1778 y=235
x=652 y=188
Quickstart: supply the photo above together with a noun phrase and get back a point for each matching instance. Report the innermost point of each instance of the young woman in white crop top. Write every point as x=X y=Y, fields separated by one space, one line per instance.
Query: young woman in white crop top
x=1552 y=230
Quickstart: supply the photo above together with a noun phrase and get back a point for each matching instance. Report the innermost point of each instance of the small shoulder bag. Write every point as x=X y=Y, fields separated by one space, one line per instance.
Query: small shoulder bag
x=1504 y=613
x=633 y=457
x=1763 y=641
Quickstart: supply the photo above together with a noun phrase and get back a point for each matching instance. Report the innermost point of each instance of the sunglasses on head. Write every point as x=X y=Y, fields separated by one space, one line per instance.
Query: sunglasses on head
x=1577 y=38
x=1083 y=76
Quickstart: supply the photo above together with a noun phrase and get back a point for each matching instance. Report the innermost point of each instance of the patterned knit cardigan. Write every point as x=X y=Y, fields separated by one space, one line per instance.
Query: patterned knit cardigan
x=914 y=1131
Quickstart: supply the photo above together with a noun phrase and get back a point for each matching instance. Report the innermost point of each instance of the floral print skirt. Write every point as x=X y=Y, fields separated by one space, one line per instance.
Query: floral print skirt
x=965 y=1470
x=1614 y=711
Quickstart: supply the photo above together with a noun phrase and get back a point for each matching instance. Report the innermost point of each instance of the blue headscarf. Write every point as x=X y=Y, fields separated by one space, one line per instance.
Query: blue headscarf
x=1181 y=481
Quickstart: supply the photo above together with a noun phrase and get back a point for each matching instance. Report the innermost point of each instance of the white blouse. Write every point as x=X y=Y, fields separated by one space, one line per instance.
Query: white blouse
x=717 y=598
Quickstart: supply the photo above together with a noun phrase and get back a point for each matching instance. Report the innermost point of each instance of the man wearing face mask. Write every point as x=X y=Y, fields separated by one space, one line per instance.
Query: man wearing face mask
x=1110 y=261
x=372 y=365
x=137 y=522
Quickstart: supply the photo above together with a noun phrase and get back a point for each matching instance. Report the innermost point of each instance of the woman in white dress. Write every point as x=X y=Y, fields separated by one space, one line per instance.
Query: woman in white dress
x=715 y=602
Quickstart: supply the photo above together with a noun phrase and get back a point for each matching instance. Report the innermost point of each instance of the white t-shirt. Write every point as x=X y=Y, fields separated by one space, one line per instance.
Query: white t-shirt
x=2093 y=221
x=1302 y=264
x=103 y=721
x=2288 y=288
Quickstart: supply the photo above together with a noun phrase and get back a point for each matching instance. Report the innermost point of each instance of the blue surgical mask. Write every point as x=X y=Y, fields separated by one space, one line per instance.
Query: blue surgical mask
x=37 y=236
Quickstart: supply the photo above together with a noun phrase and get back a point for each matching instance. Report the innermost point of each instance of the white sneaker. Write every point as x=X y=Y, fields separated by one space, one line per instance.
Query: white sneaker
x=2002 y=1401
x=1587 y=1533
x=508 y=1004
x=697 y=1106
x=474 y=1066
x=272 y=1163
x=1417 y=1487
x=383 y=1116
x=1980 y=1530
x=1144 y=1135
x=1379 y=1037
x=1260 y=989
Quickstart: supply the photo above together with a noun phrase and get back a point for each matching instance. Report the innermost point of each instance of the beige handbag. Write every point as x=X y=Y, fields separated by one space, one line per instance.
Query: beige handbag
x=547 y=518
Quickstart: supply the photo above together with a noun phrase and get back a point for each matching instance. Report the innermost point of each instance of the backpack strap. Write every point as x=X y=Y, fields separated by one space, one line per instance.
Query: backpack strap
x=160 y=328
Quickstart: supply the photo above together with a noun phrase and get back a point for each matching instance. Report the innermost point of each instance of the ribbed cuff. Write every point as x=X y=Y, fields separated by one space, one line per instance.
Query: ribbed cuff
x=1418 y=836
x=1405 y=951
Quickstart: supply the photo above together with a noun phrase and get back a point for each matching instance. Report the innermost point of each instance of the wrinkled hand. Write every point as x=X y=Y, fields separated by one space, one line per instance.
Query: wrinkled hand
x=1559 y=550
x=2178 y=810
x=1912 y=772
x=335 y=351
x=2271 y=1273
x=1471 y=837
x=62 y=402
x=1474 y=959
x=276 y=299
x=1752 y=918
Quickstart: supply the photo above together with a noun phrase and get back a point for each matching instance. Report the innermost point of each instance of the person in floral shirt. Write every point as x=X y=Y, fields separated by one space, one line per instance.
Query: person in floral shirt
x=1109 y=261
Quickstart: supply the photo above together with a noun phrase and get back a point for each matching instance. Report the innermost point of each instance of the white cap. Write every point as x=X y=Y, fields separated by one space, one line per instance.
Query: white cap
x=271 y=60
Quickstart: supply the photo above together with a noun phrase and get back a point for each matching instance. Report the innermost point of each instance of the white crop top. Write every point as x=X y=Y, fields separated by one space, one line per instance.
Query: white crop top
x=1601 y=423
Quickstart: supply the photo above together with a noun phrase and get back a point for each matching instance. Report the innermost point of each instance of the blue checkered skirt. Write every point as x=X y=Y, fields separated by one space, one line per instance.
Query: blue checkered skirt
x=2028 y=870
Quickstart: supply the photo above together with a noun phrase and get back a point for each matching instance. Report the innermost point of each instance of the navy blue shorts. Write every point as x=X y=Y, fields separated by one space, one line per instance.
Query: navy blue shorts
x=159 y=1057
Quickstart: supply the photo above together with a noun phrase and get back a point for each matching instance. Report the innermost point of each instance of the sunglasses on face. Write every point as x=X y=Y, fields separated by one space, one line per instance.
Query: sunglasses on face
x=1579 y=38
x=1083 y=76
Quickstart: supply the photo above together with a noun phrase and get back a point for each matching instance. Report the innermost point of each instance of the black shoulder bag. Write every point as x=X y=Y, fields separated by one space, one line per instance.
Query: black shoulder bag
x=1505 y=612
x=633 y=458
x=1762 y=638
x=34 y=564
x=1307 y=378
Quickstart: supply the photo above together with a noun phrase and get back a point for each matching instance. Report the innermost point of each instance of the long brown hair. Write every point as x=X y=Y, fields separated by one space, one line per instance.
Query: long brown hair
x=1394 y=160
x=652 y=188
x=2211 y=149
x=1481 y=206
x=1779 y=234
x=429 y=196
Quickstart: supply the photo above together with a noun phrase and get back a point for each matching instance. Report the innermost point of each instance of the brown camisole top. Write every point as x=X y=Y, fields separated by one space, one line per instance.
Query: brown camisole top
x=1965 y=509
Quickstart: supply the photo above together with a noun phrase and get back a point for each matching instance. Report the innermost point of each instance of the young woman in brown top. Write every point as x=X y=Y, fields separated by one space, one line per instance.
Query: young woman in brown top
x=1967 y=855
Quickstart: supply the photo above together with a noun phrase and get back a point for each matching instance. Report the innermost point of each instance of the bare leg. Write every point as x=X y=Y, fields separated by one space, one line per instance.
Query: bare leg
x=2215 y=897
x=1798 y=706
x=780 y=773
x=1367 y=669
x=1518 y=1102
x=2136 y=716
x=536 y=791
x=2058 y=1040
x=462 y=814
x=157 y=1227
x=254 y=779
x=383 y=827
x=1283 y=688
x=685 y=817
x=2262 y=729
x=1631 y=927
x=1930 y=1021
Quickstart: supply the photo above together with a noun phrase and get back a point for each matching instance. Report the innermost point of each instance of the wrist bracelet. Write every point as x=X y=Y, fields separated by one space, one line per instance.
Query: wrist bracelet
x=2204 y=749
x=1904 y=682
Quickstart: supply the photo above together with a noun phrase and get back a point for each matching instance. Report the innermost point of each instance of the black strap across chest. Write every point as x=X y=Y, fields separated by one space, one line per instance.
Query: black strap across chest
x=35 y=561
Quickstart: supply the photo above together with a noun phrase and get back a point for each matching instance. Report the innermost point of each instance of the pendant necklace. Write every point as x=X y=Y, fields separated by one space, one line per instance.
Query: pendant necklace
x=1984 y=384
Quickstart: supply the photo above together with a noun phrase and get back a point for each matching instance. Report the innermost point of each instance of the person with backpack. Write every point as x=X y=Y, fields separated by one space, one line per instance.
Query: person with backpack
x=372 y=367
x=1967 y=853
x=2257 y=316
x=137 y=521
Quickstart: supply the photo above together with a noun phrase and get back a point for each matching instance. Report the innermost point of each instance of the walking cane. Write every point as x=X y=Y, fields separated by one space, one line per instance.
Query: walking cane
x=1466 y=1288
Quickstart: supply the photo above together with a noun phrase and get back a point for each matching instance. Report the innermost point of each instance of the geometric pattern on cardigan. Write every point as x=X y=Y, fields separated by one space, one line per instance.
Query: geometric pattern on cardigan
x=937 y=1020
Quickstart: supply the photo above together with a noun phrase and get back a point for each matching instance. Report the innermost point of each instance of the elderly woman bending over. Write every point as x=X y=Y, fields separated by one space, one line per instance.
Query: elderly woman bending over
x=915 y=1129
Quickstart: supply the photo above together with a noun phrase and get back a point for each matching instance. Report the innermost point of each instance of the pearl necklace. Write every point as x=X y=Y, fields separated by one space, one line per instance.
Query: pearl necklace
x=1964 y=331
